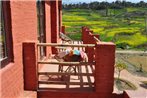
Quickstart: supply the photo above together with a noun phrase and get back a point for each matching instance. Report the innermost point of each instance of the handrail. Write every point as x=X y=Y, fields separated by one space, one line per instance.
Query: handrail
x=96 y=39
x=66 y=45
x=63 y=82
x=64 y=73
x=66 y=63
x=64 y=37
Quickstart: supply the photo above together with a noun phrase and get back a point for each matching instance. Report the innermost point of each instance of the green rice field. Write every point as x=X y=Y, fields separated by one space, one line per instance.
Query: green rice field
x=125 y=27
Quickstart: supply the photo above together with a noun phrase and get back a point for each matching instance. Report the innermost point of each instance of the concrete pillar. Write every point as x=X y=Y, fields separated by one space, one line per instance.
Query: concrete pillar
x=29 y=64
x=48 y=26
x=83 y=33
x=104 y=69
x=60 y=15
x=63 y=29
x=54 y=24
x=90 y=50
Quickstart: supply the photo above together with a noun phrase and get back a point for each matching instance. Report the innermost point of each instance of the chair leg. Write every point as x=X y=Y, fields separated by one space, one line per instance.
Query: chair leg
x=78 y=71
x=75 y=69
x=60 y=68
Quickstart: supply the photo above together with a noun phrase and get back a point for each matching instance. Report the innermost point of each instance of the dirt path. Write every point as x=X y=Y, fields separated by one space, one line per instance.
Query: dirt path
x=132 y=77
x=136 y=80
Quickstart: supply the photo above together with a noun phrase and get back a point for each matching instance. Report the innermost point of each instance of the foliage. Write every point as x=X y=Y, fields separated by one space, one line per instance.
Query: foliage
x=123 y=84
x=122 y=45
x=104 y=5
x=115 y=27
x=120 y=66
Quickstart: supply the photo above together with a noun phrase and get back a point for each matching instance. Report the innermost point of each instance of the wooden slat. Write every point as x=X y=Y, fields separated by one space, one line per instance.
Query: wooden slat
x=66 y=45
x=92 y=68
x=65 y=37
x=88 y=77
x=63 y=82
x=60 y=73
x=80 y=76
x=66 y=63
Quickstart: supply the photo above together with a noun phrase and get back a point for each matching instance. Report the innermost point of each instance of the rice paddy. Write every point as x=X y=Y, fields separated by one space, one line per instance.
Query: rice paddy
x=120 y=26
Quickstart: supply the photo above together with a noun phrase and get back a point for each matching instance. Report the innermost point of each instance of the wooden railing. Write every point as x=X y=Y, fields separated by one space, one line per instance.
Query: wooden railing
x=66 y=45
x=67 y=63
x=102 y=70
x=77 y=65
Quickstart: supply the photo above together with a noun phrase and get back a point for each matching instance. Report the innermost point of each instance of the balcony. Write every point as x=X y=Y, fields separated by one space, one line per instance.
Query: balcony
x=51 y=77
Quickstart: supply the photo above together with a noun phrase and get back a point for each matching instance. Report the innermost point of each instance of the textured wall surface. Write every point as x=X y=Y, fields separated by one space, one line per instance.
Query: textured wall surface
x=24 y=28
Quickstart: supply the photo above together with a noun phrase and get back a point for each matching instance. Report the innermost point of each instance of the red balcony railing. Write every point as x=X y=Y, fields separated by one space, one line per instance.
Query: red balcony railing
x=101 y=56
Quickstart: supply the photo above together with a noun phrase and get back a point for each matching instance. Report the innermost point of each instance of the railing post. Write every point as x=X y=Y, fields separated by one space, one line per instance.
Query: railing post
x=54 y=24
x=29 y=64
x=83 y=33
x=104 y=69
x=63 y=29
x=88 y=39
x=90 y=50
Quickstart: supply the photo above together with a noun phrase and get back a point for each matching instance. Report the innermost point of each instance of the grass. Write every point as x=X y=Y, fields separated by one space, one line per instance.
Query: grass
x=75 y=18
x=137 y=61
x=115 y=27
x=123 y=84
x=134 y=40
x=136 y=64
x=136 y=9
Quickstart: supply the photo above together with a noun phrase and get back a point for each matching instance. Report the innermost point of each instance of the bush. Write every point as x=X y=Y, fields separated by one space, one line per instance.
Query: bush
x=122 y=45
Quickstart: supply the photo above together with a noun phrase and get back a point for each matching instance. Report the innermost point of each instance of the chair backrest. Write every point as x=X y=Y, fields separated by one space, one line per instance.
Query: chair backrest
x=64 y=37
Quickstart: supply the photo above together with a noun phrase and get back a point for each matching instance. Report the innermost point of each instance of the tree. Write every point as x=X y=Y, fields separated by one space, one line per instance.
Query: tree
x=106 y=8
x=120 y=66
x=146 y=24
